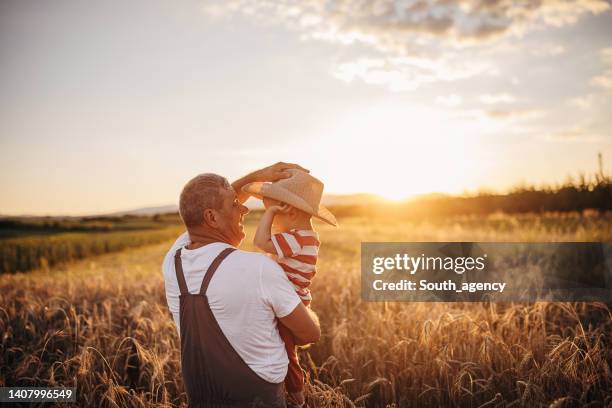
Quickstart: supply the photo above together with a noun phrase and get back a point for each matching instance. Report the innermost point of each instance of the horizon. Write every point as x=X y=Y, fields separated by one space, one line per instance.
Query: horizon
x=106 y=108
x=255 y=204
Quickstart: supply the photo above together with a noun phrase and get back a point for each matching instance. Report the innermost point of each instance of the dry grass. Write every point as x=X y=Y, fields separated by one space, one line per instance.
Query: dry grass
x=102 y=325
x=42 y=251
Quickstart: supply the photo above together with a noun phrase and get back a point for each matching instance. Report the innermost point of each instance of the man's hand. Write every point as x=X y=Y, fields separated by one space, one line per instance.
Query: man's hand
x=271 y=173
x=276 y=172
x=303 y=324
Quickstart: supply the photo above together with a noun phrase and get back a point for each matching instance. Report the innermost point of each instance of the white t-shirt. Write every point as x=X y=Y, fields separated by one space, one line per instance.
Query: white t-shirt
x=246 y=293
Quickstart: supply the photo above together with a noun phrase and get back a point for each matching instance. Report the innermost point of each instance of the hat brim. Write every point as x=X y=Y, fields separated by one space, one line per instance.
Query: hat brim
x=271 y=190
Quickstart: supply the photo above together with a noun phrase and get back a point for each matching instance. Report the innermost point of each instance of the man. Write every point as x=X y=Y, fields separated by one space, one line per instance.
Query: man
x=225 y=301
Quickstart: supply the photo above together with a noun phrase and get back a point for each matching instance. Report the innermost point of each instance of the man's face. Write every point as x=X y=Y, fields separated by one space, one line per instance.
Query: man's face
x=231 y=219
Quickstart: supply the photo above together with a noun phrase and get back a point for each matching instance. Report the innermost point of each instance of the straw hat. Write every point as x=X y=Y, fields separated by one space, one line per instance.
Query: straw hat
x=300 y=190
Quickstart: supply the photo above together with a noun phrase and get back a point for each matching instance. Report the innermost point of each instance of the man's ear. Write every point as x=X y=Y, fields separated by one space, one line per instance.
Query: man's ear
x=210 y=218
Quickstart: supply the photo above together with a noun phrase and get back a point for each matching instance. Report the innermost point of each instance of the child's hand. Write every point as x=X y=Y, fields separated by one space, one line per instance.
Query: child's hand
x=275 y=209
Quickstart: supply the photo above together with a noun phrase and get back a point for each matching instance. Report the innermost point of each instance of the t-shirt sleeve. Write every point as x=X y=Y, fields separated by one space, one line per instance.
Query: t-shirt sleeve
x=286 y=244
x=278 y=292
x=181 y=241
x=171 y=286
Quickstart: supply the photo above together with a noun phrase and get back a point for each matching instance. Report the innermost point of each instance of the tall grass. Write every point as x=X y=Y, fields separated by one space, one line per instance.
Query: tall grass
x=24 y=254
x=102 y=325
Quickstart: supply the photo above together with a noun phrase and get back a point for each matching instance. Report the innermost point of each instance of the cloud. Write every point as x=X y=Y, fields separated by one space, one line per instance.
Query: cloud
x=449 y=100
x=406 y=73
x=582 y=102
x=394 y=24
x=575 y=134
x=562 y=12
x=489 y=99
x=606 y=55
x=548 y=50
x=603 y=80
x=515 y=113
x=440 y=31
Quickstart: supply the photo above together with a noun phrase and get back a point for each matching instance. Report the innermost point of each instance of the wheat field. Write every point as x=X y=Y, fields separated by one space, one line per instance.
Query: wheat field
x=101 y=324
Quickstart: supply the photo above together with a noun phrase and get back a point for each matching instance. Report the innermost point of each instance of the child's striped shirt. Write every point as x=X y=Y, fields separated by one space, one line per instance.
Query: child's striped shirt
x=297 y=252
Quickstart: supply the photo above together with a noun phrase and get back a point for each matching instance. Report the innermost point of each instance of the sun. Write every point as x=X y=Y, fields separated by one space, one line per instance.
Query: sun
x=393 y=195
x=397 y=151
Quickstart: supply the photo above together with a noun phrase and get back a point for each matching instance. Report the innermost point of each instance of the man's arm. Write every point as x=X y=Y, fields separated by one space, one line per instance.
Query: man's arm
x=271 y=173
x=304 y=324
x=280 y=294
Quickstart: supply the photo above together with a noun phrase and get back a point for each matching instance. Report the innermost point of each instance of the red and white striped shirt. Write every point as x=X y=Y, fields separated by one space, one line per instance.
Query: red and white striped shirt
x=297 y=252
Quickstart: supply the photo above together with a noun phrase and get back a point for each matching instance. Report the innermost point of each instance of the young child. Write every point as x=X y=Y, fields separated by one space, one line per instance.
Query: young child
x=290 y=205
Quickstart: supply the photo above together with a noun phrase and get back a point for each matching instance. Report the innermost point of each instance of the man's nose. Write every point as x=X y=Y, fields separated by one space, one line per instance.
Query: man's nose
x=245 y=210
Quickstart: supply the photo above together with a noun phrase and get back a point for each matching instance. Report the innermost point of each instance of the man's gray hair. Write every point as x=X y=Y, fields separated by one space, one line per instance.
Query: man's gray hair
x=201 y=192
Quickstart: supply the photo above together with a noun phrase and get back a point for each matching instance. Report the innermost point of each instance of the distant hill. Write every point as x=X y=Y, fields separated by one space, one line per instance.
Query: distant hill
x=329 y=200
x=334 y=200
x=163 y=209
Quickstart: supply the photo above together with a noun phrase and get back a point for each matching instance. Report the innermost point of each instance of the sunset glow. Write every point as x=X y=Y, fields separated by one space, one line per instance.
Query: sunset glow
x=105 y=109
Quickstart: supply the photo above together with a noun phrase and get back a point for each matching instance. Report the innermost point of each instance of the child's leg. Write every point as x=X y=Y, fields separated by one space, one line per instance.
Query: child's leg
x=294 y=382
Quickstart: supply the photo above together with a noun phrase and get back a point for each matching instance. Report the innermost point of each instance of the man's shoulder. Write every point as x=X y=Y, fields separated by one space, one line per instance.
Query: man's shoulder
x=248 y=259
x=181 y=241
x=256 y=259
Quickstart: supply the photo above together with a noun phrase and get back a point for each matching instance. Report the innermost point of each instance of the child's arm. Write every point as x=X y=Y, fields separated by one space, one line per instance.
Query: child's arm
x=263 y=235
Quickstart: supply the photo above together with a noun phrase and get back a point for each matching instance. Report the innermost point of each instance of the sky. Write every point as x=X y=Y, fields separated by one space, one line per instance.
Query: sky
x=111 y=105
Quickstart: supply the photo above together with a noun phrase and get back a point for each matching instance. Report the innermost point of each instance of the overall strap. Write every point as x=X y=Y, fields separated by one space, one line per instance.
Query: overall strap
x=180 y=277
x=213 y=268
